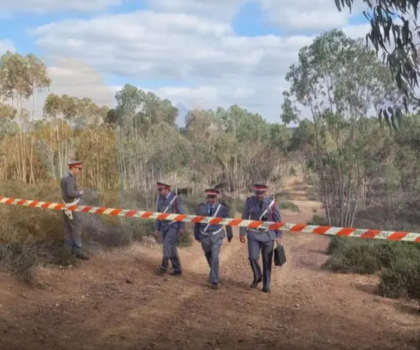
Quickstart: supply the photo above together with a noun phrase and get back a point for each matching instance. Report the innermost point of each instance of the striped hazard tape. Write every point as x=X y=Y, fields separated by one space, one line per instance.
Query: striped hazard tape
x=320 y=230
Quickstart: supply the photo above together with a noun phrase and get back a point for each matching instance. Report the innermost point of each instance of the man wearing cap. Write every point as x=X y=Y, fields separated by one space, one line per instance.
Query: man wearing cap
x=261 y=207
x=72 y=219
x=211 y=236
x=168 y=202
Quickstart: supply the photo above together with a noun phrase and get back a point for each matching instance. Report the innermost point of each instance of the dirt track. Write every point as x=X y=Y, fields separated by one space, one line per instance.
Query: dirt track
x=115 y=301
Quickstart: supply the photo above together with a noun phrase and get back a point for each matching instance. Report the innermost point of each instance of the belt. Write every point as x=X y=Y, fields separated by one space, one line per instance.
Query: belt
x=69 y=213
x=213 y=233
x=260 y=230
x=169 y=223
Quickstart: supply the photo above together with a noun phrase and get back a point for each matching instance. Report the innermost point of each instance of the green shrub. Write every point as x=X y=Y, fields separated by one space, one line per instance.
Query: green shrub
x=289 y=205
x=356 y=258
x=401 y=279
x=356 y=255
x=186 y=239
x=318 y=220
x=398 y=263
x=22 y=258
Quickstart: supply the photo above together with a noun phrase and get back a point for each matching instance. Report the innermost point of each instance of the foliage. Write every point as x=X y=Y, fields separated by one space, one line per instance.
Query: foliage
x=366 y=177
x=394 y=31
x=340 y=81
x=289 y=205
x=396 y=262
x=131 y=146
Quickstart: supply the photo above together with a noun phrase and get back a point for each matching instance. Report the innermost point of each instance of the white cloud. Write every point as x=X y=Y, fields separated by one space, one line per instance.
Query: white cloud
x=220 y=9
x=6 y=45
x=149 y=45
x=74 y=78
x=290 y=15
x=304 y=14
x=221 y=67
x=45 y=6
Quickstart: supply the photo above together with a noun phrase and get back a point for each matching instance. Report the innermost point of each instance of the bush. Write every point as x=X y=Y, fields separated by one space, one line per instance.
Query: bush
x=186 y=239
x=356 y=255
x=111 y=231
x=22 y=258
x=289 y=205
x=318 y=220
x=398 y=263
x=350 y=256
x=401 y=279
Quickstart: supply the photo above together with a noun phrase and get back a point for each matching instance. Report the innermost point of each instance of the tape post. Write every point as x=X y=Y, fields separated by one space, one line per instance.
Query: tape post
x=290 y=227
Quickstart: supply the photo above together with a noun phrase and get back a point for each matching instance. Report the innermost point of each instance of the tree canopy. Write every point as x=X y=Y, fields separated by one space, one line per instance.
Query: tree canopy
x=394 y=32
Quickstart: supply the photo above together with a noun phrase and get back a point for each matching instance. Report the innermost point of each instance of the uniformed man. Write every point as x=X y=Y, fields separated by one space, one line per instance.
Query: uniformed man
x=261 y=207
x=211 y=236
x=72 y=219
x=168 y=202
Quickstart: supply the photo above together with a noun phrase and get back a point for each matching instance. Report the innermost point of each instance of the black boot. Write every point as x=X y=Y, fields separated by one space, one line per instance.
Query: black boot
x=176 y=273
x=255 y=283
x=214 y=286
x=256 y=270
x=82 y=256
x=161 y=271
x=266 y=290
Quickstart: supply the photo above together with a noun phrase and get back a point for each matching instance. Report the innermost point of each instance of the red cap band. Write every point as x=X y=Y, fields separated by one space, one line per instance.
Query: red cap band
x=162 y=185
x=212 y=193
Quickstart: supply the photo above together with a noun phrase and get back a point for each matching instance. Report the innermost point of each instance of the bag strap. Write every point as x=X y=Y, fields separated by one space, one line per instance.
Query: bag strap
x=266 y=210
x=172 y=201
x=72 y=203
x=214 y=214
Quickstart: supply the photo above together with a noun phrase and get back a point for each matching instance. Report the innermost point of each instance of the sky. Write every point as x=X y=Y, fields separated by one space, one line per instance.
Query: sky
x=196 y=53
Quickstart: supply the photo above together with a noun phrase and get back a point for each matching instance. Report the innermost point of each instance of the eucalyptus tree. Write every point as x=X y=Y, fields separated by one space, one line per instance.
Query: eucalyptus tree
x=336 y=81
x=394 y=32
x=20 y=78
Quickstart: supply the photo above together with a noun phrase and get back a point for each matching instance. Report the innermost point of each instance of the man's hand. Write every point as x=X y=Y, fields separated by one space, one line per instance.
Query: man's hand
x=181 y=232
x=278 y=240
x=81 y=192
x=156 y=234
x=242 y=239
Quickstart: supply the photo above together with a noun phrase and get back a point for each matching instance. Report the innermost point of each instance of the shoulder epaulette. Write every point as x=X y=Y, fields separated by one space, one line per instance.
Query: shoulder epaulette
x=224 y=204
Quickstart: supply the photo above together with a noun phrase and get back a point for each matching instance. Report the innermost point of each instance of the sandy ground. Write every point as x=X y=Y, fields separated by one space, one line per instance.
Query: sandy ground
x=115 y=301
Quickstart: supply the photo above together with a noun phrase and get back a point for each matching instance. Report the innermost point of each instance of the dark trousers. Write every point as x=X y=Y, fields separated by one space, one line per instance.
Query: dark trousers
x=170 y=251
x=212 y=252
x=266 y=249
x=73 y=232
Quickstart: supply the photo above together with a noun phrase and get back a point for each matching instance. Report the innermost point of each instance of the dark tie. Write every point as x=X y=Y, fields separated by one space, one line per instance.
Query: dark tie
x=261 y=203
x=211 y=210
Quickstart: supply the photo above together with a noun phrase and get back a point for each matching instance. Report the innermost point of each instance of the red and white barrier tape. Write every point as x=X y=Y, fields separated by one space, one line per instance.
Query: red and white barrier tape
x=320 y=230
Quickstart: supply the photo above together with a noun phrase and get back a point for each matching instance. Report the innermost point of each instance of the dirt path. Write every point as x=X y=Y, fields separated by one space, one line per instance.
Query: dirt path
x=115 y=301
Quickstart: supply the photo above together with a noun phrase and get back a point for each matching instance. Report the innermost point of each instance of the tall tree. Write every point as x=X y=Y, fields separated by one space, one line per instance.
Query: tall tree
x=38 y=80
x=20 y=78
x=336 y=79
